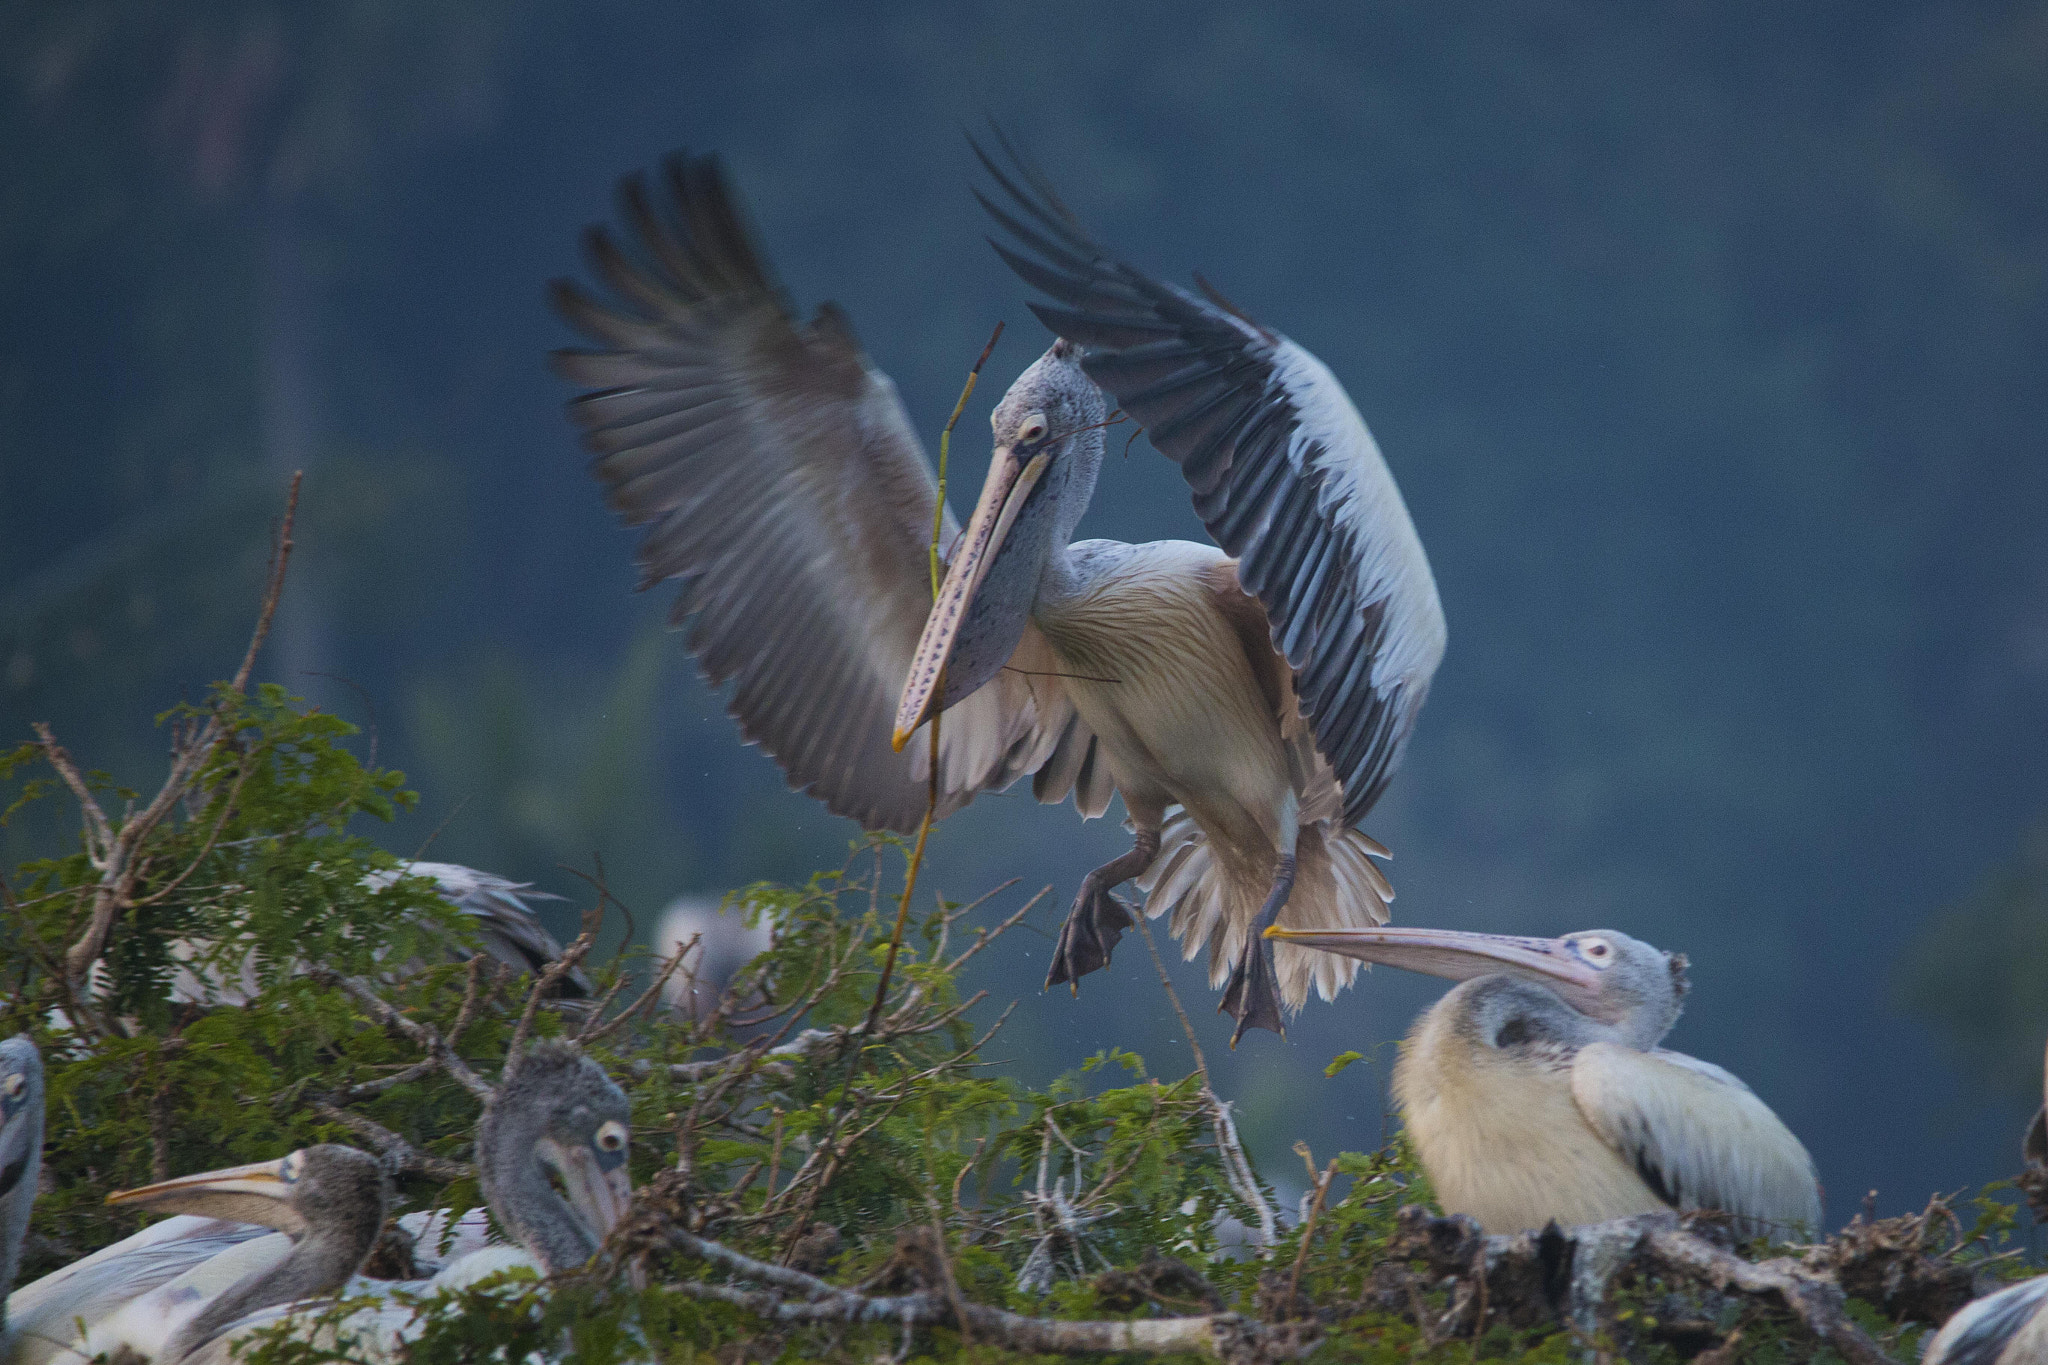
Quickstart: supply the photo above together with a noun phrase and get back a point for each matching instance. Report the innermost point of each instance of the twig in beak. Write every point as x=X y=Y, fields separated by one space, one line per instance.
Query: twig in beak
x=931 y=801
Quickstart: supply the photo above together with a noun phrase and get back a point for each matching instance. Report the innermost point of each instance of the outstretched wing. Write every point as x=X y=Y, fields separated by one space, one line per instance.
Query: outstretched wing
x=1697 y=1136
x=1284 y=474
x=783 y=488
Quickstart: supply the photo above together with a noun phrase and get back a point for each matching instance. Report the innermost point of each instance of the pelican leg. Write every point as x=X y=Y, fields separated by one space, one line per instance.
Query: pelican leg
x=1098 y=921
x=1252 y=995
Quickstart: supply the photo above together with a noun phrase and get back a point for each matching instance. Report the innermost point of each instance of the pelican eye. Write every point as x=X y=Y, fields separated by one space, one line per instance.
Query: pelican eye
x=1033 y=430
x=1597 y=951
x=15 y=1086
x=291 y=1168
x=611 y=1137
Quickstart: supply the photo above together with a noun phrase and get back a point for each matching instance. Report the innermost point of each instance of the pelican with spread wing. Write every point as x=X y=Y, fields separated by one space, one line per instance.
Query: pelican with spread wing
x=1248 y=703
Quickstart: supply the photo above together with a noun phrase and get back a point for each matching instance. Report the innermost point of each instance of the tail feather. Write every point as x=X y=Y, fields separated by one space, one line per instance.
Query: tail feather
x=1211 y=904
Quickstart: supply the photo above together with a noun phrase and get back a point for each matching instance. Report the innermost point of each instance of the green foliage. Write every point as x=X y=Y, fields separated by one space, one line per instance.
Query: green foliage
x=245 y=1004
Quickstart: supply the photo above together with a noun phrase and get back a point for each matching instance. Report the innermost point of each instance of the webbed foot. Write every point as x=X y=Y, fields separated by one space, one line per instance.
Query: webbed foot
x=1098 y=919
x=1094 y=927
x=1252 y=994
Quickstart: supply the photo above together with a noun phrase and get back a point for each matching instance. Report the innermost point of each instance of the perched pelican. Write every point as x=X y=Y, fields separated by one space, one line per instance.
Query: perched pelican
x=508 y=931
x=557 y=1113
x=21 y=1155
x=2009 y=1327
x=38 y=1322
x=329 y=1203
x=1249 y=711
x=1535 y=1091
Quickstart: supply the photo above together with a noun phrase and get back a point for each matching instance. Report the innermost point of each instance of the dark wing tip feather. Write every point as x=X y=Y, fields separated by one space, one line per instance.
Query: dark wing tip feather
x=1230 y=420
x=1045 y=205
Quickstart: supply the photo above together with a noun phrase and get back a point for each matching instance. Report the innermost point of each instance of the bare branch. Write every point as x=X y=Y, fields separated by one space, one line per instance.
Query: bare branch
x=280 y=556
x=1237 y=1167
x=436 y=1047
x=190 y=752
x=556 y=970
x=987 y=936
x=1817 y=1302
x=1308 y=1224
x=99 y=835
x=399 y=1156
x=593 y=1030
x=1222 y=1336
x=1187 y=1026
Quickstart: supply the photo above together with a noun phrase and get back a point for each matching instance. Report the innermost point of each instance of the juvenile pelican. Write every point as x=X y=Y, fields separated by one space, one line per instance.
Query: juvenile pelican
x=1535 y=1091
x=556 y=1115
x=1249 y=711
x=329 y=1201
x=38 y=1322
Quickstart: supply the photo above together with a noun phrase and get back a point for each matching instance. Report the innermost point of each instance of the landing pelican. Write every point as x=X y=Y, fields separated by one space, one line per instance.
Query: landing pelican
x=1249 y=710
x=1535 y=1091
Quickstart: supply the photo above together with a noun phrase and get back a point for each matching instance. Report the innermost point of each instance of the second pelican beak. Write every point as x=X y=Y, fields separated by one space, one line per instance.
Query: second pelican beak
x=1453 y=954
x=1010 y=481
x=260 y=1192
x=600 y=1189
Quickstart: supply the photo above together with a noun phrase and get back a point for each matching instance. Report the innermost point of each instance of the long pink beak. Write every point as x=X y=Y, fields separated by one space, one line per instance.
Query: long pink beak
x=1455 y=955
x=1009 y=482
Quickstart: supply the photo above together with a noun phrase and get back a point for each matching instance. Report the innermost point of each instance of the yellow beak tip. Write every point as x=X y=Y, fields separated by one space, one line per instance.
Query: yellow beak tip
x=898 y=740
x=1274 y=931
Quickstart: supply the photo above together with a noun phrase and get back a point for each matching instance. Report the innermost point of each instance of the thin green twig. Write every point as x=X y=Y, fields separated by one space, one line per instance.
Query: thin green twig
x=931 y=802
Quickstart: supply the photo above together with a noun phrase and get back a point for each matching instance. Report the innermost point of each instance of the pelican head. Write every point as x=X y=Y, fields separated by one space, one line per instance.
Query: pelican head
x=330 y=1200
x=327 y=1186
x=557 y=1109
x=1048 y=450
x=21 y=1151
x=1623 y=983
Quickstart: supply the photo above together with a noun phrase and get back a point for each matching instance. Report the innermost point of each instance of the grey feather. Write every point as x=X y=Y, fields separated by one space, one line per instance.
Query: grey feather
x=1285 y=474
x=784 y=490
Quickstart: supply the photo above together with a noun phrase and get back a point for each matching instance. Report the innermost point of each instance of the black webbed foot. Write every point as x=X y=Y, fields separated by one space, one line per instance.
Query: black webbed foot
x=1252 y=994
x=1094 y=927
x=1098 y=919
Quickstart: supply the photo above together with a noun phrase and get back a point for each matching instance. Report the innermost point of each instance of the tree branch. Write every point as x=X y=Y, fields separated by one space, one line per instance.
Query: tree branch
x=190 y=753
x=1223 y=1336
x=425 y=1035
x=398 y=1155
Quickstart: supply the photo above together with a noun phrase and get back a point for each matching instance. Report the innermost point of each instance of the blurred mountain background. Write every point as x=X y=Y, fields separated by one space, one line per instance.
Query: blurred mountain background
x=1706 y=341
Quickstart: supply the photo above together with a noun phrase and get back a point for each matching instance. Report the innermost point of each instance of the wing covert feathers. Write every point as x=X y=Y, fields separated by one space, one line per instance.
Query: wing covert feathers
x=1698 y=1137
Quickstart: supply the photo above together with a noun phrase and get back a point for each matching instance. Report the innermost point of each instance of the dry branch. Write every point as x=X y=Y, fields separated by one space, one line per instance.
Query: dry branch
x=1565 y=1275
x=399 y=1156
x=111 y=847
x=1237 y=1167
x=424 y=1035
x=1222 y=1336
